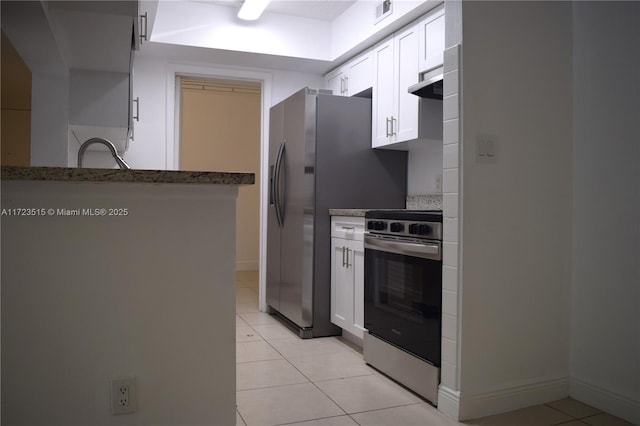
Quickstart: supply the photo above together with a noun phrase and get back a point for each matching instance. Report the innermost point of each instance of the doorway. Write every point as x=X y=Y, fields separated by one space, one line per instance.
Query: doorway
x=220 y=130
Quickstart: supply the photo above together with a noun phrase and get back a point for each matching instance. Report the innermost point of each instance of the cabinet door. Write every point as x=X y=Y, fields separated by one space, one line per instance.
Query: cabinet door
x=359 y=74
x=432 y=40
x=405 y=121
x=341 y=285
x=335 y=82
x=356 y=259
x=383 y=93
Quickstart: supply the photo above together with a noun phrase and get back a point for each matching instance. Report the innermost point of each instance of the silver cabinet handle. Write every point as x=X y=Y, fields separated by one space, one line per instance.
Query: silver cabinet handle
x=348 y=264
x=348 y=228
x=393 y=126
x=137 y=102
x=387 y=126
x=143 y=35
x=346 y=85
x=343 y=261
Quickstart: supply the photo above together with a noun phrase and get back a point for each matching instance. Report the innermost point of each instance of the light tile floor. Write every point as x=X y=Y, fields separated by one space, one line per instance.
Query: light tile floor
x=285 y=380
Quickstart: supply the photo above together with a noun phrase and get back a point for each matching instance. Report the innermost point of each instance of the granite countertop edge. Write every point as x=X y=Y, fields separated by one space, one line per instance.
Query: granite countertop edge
x=348 y=212
x=72 y=174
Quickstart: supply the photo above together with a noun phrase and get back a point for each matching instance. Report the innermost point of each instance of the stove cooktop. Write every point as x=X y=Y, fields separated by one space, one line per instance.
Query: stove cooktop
x=409 y=215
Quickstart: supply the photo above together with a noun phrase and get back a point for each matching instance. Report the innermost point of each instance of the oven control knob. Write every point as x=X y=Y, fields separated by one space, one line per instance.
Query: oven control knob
x=413 y=228
x=380 y=225
x=376 y=225
x=396 y=227
x=424 y=229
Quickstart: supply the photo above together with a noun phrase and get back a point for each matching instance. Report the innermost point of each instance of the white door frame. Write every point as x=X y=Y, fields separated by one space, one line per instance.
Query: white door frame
x=174 y=72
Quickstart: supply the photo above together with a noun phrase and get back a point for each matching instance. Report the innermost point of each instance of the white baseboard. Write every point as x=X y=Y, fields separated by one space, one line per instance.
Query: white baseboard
x=606 y=400
x=512 y=398
x=248 y=265
x=448 y=402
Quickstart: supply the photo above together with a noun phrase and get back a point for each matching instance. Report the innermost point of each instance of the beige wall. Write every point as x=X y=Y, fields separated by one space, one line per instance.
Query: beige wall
x=220 y=131
x=16 y=107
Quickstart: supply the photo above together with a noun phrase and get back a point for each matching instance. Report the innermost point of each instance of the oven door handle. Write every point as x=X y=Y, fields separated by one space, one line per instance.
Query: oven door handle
x=426 y=251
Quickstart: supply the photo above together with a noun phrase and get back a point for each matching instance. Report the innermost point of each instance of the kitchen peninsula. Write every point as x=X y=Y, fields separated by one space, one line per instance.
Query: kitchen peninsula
x=111 y=274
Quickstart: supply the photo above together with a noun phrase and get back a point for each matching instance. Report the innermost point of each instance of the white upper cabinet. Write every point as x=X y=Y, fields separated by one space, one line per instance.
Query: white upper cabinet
x=431 y=29
x=382 y=101
x=360 y=74
x=352 y=77
x=405 y=126
x=336 y=81
x=395 y=111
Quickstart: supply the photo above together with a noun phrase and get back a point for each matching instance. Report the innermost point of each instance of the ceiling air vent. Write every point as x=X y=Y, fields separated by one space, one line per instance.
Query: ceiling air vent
x=383 y=10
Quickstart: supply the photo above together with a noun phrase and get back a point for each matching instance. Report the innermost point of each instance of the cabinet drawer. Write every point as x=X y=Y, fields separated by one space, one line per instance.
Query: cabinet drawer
x=347 y=227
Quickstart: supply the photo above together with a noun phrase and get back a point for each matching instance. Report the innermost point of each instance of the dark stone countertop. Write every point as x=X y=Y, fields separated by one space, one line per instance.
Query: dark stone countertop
x=72 y=174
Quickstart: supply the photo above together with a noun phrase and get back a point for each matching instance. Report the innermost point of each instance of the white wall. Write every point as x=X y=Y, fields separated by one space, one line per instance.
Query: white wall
x=605 y=292
x=150 y=149
x=424 y=168
x=516 y=211
x=88 y=299
x=49 y=119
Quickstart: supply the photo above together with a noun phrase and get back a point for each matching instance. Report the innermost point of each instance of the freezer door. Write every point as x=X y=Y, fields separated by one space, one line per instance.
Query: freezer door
x=298 y=164
x=276 y=138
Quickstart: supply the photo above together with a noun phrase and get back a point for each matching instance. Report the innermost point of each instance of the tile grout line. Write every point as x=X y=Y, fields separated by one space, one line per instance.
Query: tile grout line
x=573 y=418
x=273 y=386
x=316 y=386
x=319 y=418
x=305 y=376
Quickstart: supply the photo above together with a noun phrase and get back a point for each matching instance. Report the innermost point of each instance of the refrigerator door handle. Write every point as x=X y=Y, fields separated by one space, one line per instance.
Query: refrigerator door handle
x=282 y=192
x=272 y=180
x=276 y=185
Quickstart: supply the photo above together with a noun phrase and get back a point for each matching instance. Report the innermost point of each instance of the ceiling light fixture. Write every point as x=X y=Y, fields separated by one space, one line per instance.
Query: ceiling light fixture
x=252 y=9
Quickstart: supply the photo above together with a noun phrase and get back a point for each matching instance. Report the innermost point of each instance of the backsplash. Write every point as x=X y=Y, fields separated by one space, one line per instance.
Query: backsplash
x=424 y=202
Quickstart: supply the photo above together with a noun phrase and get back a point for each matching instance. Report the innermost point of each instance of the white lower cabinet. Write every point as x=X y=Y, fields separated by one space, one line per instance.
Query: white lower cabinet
x=347 y=274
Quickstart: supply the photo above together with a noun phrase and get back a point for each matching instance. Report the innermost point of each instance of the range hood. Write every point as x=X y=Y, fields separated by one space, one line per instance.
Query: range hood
x=430 y=84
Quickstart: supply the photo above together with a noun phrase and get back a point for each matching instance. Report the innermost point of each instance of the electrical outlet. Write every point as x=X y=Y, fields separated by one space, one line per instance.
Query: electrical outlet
x=123 y=396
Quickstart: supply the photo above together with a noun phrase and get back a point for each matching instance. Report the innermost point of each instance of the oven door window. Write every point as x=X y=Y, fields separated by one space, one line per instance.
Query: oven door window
x=403 y=301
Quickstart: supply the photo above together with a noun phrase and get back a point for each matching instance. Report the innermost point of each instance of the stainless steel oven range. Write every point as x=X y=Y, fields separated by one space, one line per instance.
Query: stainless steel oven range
x=403 y=297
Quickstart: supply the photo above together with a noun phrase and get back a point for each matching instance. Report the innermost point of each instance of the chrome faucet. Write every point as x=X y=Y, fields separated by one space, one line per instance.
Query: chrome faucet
x=121 y=163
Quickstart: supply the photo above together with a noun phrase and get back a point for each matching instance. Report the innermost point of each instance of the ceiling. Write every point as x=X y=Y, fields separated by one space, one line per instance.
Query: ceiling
x=324 y=10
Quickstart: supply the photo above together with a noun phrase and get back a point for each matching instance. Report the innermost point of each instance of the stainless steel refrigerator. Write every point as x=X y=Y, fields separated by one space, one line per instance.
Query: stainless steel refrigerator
x=320 y=157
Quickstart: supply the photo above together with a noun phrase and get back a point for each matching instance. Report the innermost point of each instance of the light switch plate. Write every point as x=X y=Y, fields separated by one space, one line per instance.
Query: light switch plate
x=486 y=148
